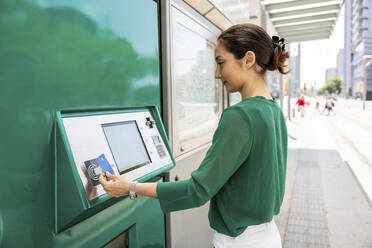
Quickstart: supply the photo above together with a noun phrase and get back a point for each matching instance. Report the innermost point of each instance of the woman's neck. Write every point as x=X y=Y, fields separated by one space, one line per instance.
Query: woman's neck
x=255 y=87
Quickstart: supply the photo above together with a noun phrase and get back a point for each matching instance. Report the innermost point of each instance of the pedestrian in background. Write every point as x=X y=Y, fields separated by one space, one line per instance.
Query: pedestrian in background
x=329 y=104
x=243 y=173
x=317 y=105
x=301 y=105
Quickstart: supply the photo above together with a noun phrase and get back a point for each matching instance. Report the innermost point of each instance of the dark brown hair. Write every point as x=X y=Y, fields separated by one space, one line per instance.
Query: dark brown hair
x=242 y=38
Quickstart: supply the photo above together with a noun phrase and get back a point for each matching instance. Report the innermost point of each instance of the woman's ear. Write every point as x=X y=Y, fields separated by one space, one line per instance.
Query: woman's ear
x=249 y=59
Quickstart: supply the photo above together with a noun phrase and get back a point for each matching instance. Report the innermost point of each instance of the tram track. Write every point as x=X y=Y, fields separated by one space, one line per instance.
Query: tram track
x=340 y=133
x=359 y=165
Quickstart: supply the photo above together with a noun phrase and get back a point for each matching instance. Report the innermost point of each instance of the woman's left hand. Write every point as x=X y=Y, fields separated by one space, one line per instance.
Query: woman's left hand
x=115 y=185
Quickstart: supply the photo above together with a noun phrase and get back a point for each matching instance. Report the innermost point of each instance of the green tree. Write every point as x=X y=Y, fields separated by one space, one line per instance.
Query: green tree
x=332 y=86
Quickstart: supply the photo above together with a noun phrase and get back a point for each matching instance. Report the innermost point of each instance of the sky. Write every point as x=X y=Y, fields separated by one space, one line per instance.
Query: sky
x=317 y=56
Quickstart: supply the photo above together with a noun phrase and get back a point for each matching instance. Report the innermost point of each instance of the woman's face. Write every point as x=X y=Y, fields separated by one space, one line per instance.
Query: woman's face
x=229 y=69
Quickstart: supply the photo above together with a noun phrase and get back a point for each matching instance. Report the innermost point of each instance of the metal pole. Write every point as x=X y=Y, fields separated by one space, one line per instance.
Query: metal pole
x=365 y=65
x=166 y=91
x=364 y=83
x=289 y=99
x=289 y=90
x=299 y=67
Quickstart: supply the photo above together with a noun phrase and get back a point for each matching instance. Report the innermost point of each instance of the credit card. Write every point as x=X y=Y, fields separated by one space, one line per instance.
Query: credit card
x=105 y=165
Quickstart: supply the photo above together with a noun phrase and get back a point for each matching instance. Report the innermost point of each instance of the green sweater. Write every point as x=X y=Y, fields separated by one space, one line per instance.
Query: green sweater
x=243 y=172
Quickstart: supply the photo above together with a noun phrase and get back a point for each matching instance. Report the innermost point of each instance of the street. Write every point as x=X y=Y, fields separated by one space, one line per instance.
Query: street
x=348 y=131
x=329 y=177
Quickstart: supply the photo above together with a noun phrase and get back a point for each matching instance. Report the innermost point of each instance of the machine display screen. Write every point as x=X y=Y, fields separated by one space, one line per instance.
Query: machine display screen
x=126 y=145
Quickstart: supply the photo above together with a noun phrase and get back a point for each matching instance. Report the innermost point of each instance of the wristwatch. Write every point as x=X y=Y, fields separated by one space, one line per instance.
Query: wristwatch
x=132 y=193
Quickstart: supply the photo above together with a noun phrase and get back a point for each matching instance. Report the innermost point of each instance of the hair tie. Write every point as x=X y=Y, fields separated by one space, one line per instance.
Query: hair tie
x=277 y=41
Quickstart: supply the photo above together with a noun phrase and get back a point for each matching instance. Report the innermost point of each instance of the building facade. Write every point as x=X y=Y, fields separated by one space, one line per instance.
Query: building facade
x=340 y=65
x=361 y=41
x=330 y=73
x=295 y=85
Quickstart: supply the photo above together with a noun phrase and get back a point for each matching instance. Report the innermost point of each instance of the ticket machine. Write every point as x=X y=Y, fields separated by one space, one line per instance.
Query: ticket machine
x=130 y=142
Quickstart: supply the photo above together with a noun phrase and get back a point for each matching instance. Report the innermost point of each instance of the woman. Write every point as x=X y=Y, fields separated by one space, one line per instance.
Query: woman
x=243 y=172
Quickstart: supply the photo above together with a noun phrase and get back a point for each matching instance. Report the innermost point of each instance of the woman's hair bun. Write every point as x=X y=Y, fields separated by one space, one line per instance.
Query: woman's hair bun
x=279 y=57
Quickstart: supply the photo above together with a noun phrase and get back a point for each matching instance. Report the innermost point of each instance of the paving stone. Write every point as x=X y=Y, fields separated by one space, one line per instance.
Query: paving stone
x=307 y=223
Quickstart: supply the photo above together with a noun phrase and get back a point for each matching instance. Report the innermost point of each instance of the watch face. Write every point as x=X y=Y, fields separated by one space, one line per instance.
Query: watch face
x=131 y=196
x=132 y=193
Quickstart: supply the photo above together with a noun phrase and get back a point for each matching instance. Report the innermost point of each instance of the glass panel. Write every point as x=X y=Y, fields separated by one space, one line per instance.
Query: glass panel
x=196 y=90
x=110 y=21
x=79 y=49
x=126 y=145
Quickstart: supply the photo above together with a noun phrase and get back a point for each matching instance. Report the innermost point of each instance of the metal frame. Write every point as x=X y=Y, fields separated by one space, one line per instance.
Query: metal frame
x=195 y=143
x=165 y=68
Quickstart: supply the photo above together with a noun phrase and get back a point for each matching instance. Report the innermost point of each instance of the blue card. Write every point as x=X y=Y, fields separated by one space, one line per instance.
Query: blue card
x=105 y=165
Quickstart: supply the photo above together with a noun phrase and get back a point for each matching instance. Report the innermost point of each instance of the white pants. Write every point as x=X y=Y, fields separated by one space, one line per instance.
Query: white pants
x=259 y=236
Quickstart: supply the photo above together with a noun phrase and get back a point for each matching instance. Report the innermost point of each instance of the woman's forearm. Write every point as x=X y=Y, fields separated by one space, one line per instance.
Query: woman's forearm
x=146 y=189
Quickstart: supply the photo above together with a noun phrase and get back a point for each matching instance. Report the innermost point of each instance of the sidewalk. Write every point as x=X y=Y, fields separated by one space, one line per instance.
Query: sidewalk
x=324 y=204
x=349 y=132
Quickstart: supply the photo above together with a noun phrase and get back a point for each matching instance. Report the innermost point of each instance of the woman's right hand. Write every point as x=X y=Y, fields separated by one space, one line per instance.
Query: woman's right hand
x=115 y=185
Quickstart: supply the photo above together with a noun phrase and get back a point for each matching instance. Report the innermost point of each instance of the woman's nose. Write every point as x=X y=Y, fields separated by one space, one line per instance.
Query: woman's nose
x=217 y=74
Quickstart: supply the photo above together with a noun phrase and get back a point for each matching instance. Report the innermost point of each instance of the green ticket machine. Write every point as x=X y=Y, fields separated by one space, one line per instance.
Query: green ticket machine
x=129 y=141
x=80 y=95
